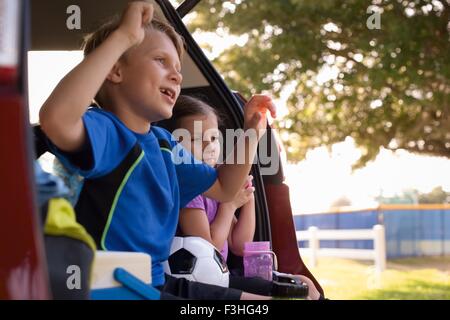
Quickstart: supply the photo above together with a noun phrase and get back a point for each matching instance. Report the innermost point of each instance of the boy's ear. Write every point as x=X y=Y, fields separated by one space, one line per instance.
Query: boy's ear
x=115 y=75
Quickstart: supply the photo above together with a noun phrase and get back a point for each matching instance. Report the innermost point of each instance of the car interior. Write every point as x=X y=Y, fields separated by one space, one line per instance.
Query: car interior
x=274 y=221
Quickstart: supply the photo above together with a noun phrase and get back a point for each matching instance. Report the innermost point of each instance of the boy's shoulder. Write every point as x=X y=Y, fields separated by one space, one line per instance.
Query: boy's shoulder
x=106 y=120
x=161 y=131
x=104 y=115
x=163 y=134
x=96 y=115
x=100 y=113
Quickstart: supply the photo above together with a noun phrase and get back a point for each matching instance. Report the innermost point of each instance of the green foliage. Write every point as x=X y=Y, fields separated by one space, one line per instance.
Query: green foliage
x=342 y=201
x=412 y=196
x=409 y=196
x=390 y=86
x=437 y=195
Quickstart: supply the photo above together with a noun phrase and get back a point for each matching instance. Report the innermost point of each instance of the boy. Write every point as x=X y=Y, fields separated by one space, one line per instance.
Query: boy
x=133 y=191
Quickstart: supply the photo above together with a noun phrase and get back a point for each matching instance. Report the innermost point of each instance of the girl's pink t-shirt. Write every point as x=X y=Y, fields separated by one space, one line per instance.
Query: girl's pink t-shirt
x=210 y=207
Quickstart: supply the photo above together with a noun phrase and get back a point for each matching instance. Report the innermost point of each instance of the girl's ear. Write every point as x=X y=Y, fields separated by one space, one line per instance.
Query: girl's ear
x=115 y=75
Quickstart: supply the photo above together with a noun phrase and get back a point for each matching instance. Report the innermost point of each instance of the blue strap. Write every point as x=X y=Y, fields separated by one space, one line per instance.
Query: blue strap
x=136 y=285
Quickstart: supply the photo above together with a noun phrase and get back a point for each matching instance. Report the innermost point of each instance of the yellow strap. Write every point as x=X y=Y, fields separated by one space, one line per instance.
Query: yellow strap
x=61 y=221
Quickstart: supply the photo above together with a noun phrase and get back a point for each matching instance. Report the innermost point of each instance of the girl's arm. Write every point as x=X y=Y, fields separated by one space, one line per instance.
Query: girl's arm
x=194 y=222
x=243 y=229
x=220 y=227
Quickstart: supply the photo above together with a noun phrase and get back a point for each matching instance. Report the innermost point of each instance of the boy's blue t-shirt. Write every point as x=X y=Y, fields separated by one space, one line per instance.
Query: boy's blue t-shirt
x=135 y=185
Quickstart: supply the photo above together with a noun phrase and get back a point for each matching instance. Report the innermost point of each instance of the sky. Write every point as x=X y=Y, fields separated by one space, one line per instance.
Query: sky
x=315 y=182
x=323 y=177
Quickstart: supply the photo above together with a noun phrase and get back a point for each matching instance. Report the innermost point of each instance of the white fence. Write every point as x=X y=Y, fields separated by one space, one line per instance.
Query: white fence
x=314 y=235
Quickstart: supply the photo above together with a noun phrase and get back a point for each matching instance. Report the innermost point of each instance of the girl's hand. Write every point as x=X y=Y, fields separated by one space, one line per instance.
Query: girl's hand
x=137 y=15
x=245 y=194
x=255 y=113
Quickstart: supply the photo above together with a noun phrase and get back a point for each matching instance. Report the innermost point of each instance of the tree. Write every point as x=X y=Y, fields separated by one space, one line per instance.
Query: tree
x=342 y=201
x=386 y=87
x=437 y=195
x=408 y=196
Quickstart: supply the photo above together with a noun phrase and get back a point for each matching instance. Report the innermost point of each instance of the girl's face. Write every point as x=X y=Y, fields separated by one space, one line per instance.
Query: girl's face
x=204 y=132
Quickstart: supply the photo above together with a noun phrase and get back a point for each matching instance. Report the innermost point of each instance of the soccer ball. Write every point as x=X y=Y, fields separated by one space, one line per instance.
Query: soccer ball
x=196 y=259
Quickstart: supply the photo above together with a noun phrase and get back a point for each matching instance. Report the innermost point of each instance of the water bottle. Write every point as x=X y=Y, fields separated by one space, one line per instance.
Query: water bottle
x=259 y=260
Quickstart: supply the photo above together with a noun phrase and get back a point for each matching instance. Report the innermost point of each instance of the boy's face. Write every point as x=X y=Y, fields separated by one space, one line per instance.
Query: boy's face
x=151 y=77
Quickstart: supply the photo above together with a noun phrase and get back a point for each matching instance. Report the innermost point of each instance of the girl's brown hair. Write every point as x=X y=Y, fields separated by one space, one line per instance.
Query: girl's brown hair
x=188 y=106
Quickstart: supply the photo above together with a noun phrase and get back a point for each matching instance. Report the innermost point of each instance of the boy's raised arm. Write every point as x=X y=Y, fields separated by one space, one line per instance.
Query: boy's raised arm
x=232 y=175
x=61 y=115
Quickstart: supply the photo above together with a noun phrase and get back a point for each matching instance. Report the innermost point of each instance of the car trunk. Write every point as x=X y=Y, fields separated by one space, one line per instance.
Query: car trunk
x=273 y=210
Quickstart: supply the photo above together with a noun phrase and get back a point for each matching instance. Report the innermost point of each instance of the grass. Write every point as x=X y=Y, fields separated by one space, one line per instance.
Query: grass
x=404 y=279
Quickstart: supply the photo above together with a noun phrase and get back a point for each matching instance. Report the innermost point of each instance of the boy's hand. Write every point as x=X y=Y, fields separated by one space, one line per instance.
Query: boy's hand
x=255 y=113
x=137 y=15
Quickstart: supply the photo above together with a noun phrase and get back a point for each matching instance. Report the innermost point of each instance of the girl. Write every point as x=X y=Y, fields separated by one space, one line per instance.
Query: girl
x=206 y=218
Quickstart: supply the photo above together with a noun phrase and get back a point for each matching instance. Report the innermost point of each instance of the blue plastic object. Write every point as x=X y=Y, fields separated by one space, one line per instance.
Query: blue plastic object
x=132 y=289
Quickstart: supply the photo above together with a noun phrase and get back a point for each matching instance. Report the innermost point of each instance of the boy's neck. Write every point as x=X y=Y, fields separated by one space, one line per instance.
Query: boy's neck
x=133 y=121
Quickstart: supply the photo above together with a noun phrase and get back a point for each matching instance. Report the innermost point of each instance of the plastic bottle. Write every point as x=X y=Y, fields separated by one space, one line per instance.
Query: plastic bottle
x=258 y=260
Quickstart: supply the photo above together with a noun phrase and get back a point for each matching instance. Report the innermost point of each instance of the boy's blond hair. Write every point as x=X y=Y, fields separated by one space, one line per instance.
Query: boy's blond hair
x=96 y=38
